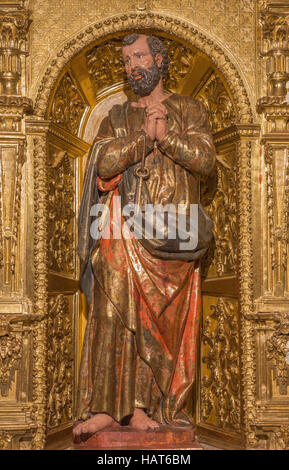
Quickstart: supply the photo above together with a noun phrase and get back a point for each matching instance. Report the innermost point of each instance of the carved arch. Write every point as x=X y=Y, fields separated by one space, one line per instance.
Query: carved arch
x=167 y=23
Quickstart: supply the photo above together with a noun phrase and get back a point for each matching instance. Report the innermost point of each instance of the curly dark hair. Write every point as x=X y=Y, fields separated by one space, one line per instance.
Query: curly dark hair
x=156 y=47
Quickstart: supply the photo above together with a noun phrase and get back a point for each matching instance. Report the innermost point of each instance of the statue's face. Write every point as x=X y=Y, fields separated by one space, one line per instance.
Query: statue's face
x=141 y=67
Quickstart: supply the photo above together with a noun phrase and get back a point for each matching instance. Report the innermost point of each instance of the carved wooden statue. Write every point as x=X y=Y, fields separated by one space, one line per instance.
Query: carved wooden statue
x=139 y=352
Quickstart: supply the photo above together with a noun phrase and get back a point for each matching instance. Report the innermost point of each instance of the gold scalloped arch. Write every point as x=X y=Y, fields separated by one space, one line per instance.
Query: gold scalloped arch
x=158 y=22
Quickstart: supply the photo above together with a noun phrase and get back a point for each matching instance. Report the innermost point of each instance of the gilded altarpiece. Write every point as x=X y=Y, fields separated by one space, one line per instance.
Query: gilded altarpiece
x=220 y=377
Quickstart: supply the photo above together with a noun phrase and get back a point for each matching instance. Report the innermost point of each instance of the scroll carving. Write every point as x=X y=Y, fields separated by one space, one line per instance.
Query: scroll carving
x=68 y=105
x=97 y=60
x=277 y=347
x=61 y=217
x=223 y=211
x=218 y=103
x=181 y=60
x=221 y=389
x=60 y=362
x=10 y=355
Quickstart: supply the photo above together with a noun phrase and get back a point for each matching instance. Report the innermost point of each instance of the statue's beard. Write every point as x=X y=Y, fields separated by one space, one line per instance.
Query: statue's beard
x=150 y=78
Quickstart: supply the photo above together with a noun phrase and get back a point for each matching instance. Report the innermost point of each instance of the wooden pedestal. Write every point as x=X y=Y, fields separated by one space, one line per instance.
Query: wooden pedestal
x=126 y=437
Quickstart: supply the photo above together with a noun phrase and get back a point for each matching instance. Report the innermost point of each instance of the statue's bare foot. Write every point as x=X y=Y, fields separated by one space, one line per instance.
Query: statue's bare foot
x=98 y=422
x=141 y=421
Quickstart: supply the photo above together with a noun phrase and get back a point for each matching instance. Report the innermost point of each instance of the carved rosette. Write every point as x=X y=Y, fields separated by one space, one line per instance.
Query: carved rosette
x=61 y=217
x=68 y=105
x=59 y=362
x=220 y=393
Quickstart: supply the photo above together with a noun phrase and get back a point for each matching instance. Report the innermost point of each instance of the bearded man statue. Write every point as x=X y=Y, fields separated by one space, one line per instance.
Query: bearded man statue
x=139 y=354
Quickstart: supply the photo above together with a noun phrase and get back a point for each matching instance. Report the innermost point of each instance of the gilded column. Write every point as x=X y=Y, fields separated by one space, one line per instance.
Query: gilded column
x=19 y=340
x=270 y=318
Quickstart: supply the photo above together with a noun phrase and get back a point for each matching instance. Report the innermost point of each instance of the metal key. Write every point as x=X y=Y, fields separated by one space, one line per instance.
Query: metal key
x=142 y=173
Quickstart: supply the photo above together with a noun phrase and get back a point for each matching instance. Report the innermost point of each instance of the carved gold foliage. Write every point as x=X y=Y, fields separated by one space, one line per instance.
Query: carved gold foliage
x=68 y=105
x=10 y=354
x=98 y=59
x=180 y=62
x=220 y=392
x=5 y=441
x=248 y=345
x=270 y=437
x=223 y=211
x=41 y=224
x=12 y=158
x=277 y=195
x=40 y=289
x=60 y=362
x=218 y=103
x=277 y=348
x=102 y=76
x=61 y=217
x=280 y=438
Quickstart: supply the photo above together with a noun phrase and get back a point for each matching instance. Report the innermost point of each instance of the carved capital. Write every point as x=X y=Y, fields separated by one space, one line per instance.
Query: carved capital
x=274 y=21
x=12 y=110
x=14 y=27
x=12 y=157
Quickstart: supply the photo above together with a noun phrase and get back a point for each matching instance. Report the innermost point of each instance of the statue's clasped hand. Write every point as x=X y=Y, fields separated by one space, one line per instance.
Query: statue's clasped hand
x=156 y=124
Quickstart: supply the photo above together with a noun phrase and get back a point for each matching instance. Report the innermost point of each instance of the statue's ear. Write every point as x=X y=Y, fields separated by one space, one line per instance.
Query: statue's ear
x=159 y=59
